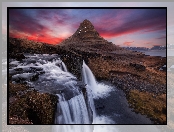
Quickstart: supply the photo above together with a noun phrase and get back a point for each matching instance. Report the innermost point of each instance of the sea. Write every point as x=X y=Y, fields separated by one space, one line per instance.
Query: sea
x=161 y=53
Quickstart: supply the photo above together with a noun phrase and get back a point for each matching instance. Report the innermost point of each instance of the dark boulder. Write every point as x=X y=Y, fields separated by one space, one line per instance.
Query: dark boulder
x=138 y=67
x=17 y=56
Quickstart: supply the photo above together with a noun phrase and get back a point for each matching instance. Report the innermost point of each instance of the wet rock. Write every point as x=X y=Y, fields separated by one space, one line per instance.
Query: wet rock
x=34 y=77
x=17 y=56
x=18 y=69
x=34 y=69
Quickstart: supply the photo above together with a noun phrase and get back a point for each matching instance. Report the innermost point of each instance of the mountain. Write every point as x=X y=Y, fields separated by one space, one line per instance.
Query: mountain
x=87 y=37
x=86 y=33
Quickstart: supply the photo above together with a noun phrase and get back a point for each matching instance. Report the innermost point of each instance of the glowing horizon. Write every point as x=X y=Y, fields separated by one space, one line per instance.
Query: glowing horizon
x=124 y=27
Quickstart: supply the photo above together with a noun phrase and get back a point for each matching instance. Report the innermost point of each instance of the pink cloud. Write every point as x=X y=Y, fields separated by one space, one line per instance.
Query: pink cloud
x=128 y=43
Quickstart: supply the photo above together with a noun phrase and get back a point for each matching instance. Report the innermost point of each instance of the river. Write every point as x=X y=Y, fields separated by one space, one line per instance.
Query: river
x=106 y=103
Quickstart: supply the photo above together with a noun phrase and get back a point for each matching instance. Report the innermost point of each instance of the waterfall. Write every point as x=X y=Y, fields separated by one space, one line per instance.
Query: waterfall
x=73 y=111
x=89 y=79
x=64 y=68
x=77 y=110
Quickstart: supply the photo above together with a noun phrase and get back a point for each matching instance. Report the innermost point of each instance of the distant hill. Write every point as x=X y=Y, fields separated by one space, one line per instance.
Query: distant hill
x=18 y=45
x=145 y=49
x=137 y=48
x=158 y=48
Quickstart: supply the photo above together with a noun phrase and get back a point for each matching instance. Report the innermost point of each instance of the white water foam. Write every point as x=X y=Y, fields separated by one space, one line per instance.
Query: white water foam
x=53 y=74
x=52 y=71
x=102 y=91
x=95 y=90
x=73 y=111
x=99 y=90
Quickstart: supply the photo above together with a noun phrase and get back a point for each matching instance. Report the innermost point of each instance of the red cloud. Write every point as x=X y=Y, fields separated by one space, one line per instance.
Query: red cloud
x=24 y=25
x=39 y=38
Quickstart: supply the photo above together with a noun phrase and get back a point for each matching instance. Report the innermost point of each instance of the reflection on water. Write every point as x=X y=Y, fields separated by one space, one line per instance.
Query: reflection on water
x=161 y=53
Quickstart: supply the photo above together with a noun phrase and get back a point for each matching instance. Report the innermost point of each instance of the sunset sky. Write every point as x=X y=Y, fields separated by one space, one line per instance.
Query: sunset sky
x=124 y=27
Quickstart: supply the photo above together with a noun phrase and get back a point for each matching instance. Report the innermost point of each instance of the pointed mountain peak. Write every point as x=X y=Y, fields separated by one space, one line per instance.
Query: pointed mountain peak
x=86 y=23
x=86 y=30
x=85 y=34
x=86 y=20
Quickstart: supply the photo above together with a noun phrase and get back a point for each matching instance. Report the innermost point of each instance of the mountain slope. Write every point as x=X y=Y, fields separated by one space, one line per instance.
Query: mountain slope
x=86 y=37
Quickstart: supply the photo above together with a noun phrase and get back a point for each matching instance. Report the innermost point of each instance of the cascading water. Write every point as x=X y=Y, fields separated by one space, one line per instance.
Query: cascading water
x=76 y=110
x=73 y=111
x=49 y=74
x=89 y=79
x=64 y=68
x=78 y=106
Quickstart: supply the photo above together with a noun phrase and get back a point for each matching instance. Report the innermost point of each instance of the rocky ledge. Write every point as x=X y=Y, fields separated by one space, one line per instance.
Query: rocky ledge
x=28 y=106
